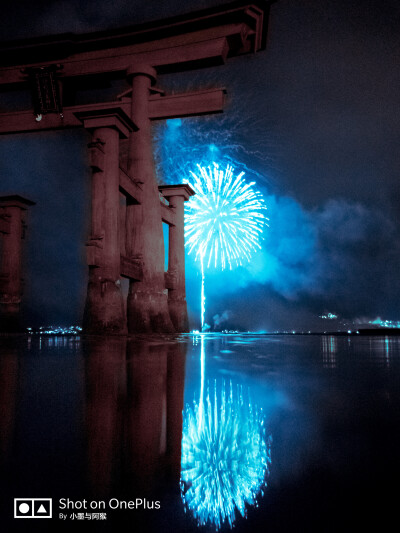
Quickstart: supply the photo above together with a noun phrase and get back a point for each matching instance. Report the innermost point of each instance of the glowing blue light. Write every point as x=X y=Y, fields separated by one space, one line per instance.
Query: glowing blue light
x=213 y=148
x=224 y=221
x=225 y=455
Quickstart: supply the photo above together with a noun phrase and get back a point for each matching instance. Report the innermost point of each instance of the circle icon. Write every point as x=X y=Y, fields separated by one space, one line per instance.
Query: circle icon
x=24 y=508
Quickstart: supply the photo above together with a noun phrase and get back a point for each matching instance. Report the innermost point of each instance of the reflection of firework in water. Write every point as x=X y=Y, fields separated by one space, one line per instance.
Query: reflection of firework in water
x=224 y=221
x=225 y=456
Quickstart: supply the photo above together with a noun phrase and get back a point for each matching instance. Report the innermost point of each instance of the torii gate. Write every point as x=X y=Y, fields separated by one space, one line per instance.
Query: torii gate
x=127 y=240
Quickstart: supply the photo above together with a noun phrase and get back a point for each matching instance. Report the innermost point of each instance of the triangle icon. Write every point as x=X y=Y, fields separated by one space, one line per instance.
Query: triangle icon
x=41 y=509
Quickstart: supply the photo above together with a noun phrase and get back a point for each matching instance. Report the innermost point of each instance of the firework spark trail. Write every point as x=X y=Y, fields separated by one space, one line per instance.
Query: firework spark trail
x=177 y=142
x=225 y=456
x=203 y=298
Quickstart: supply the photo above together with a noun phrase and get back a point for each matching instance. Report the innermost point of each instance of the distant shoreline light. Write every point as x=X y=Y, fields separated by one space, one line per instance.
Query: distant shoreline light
x=55 y=330
x=385 y=323
x=328 y=316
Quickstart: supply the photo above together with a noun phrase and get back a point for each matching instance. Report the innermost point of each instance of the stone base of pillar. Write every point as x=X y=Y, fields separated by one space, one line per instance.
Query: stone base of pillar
x=10 y=318
x=148 y=311
x=104 y=309
x=178 y=313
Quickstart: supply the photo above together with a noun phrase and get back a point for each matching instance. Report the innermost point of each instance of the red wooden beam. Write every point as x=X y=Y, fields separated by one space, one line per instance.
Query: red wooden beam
x=206 y=53
x=171 y=44
x=130 y=187
x=160 y=107
x=186 y=105
x=167 y=214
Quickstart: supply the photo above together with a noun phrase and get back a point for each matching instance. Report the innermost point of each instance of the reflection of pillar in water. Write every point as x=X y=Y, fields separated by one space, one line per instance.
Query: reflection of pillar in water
x=134 y=401
x=175 y=392
x=8 y=392
x=146 y=412
x=105 y=385
x=155 y=381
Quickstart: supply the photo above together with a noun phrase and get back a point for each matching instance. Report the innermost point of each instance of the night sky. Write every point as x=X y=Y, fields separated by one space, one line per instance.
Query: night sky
x=316 y=120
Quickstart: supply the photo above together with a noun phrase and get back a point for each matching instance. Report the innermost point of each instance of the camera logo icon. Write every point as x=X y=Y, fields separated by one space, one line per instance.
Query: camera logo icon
x=32 y=508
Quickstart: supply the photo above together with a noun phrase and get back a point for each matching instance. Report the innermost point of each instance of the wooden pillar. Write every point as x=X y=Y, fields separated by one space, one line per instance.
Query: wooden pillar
x=176 y=196
x=12 y=212
x=147 y=305
x=104 y=310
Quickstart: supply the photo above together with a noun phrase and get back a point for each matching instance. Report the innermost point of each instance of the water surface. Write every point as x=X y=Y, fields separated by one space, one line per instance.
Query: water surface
x=101 y=419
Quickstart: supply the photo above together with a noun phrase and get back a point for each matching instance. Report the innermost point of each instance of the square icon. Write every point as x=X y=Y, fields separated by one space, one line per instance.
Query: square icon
x=23 y=508
x=32 y=508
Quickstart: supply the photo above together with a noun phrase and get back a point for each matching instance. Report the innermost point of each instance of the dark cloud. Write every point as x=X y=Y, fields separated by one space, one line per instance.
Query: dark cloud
x=50 y=17
x=337 y=257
